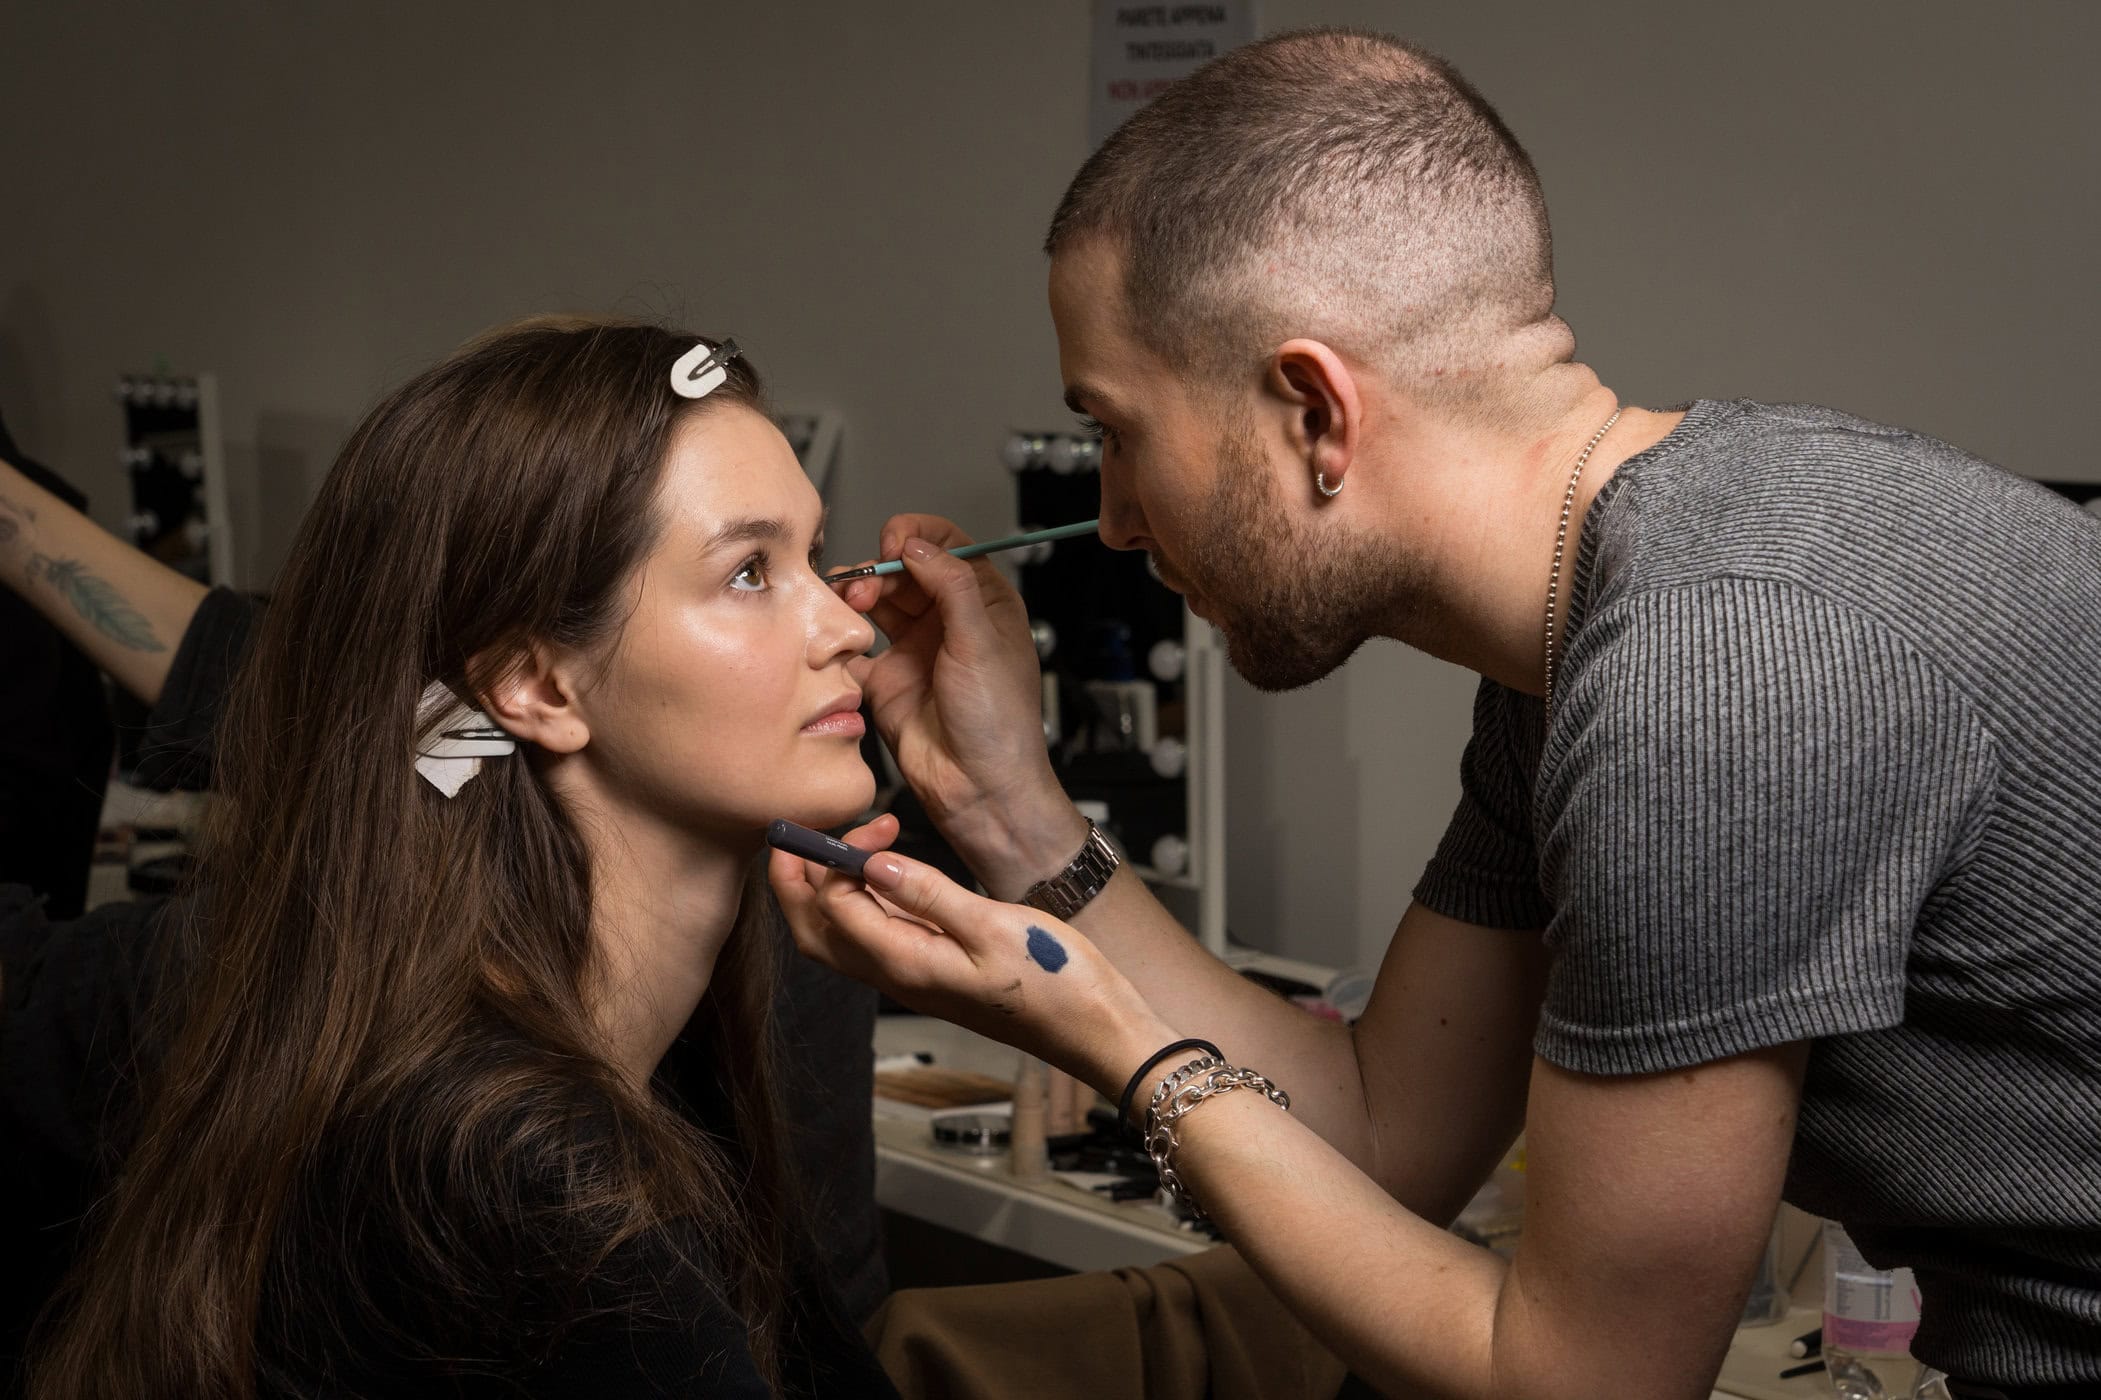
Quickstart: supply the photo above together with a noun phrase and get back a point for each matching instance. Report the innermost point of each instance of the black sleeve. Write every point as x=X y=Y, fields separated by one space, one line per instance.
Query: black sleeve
x=55 y=738
x=74 y=996
x=72 y=999
x=176 y=749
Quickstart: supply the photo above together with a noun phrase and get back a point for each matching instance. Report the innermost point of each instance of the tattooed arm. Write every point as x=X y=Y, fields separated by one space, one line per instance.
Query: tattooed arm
x=125 y=610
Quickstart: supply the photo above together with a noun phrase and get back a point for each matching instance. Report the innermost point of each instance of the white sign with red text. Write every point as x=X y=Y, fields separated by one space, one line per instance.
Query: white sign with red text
x=1140 y=49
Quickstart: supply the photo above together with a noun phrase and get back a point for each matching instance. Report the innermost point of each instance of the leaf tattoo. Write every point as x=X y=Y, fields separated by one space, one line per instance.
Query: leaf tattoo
x=97 y=599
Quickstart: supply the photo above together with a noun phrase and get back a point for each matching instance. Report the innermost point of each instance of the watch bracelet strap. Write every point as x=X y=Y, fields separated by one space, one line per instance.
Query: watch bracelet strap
x=1086 y=875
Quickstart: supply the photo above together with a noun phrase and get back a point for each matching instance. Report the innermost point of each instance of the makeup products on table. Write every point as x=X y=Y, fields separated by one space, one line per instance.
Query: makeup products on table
x=976 y=1134
x=1031 y=1148
x=1068 y=1103
x=973 y=551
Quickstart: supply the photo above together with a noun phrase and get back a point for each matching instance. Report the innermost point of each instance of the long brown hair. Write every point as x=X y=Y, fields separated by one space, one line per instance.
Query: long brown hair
x=387 y=987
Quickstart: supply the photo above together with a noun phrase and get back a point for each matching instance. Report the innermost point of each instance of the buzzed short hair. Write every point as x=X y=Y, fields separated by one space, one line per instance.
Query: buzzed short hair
x=1329 y=183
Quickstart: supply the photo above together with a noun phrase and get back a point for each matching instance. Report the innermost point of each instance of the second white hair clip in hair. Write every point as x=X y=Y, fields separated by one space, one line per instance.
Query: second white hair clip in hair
x=703 y=369
x=453 y=737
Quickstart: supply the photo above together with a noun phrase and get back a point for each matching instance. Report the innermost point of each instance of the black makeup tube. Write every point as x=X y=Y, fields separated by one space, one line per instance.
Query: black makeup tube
x=796 y=840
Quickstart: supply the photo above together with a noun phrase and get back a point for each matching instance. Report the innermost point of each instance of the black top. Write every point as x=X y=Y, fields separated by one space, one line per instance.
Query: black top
x=534 y=1317
x=70 y=1053
x=685 y=1342
x=75 y=996
x=55 y=738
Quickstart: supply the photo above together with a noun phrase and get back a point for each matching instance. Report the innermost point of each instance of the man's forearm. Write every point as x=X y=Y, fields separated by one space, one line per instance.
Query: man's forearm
x=1410 y=1307
x=125 y=610
x=1647 y=1196
x=1188 y=987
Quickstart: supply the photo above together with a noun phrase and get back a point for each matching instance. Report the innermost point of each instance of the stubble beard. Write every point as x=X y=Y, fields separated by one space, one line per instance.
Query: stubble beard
x=1293 y=601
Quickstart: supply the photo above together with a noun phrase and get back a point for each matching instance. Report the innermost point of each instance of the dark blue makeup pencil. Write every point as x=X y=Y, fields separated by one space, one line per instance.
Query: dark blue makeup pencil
x=785 y=835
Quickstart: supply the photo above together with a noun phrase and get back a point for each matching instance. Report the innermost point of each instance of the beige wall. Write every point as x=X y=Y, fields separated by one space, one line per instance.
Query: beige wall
x=1888 y=207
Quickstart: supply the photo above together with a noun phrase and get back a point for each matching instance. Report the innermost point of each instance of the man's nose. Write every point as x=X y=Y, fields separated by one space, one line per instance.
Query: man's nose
x=1123 y=523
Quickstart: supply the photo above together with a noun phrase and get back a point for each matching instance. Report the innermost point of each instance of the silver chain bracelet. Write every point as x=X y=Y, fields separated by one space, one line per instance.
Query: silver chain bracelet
x=1176 y=1097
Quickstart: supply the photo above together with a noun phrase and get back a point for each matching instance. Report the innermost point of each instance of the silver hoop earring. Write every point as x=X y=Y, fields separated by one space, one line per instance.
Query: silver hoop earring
x=1320 y=484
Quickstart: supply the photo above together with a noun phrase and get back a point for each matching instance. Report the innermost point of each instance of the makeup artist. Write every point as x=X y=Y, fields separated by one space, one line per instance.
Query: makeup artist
x=1777 y=867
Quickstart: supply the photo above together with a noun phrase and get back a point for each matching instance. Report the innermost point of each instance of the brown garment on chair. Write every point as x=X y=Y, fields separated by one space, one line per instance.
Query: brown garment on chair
x=1199 y=1328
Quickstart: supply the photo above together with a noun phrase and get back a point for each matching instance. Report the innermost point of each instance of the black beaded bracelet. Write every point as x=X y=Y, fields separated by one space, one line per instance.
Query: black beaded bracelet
x=1130 y=1090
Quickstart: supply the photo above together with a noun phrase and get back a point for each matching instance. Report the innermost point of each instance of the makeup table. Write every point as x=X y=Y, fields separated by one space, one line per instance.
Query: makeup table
x=980 y=1196
x=1076 y=1229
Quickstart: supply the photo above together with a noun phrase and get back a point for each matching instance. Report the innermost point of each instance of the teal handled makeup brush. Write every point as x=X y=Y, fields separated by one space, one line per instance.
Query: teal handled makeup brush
x=972 y=551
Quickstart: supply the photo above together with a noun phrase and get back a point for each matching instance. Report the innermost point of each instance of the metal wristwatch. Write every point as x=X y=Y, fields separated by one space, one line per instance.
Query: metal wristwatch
x=1084 y=876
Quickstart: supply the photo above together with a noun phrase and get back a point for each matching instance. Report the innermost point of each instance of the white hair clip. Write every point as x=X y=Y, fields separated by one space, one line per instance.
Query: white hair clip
x=703 y=369
x=459 y=738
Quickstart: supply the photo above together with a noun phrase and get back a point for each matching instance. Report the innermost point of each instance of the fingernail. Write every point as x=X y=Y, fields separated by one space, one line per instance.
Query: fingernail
x=920 y=550
x=882 y=870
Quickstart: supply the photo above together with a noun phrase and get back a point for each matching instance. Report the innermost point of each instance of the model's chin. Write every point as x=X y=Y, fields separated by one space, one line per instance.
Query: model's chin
x=831 y=795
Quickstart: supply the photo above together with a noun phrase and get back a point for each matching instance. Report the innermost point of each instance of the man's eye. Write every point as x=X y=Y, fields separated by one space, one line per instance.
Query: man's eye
x=1094 y=430
x=750 y=576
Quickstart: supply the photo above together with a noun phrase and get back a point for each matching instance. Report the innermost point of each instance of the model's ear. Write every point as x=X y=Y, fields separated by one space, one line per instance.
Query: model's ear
x=1327 y=414
x=534 y=699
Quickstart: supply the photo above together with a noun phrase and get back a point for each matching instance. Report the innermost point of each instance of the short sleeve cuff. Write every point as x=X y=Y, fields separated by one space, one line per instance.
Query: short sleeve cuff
x=1481 y=897
x=1778 y=1019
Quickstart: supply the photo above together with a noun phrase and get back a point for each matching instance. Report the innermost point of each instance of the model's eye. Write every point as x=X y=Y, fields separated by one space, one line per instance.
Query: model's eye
x=750 y=576
x=817 y=556
x=1092 y=427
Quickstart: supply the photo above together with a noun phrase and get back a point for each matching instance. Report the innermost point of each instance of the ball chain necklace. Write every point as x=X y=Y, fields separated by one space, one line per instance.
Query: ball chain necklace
x=1568 y=504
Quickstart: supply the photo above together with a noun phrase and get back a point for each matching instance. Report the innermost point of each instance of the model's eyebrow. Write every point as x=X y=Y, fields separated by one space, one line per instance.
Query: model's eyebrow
x=757 y=529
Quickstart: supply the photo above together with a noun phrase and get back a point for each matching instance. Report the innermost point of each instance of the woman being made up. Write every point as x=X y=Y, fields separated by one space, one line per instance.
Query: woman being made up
x=467 y=1086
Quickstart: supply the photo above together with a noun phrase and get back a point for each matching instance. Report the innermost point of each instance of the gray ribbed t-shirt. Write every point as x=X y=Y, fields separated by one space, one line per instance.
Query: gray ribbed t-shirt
x=1825 y=764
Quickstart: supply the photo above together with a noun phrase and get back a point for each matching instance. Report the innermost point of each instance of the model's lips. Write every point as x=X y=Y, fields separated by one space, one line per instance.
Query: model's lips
x=841 y=717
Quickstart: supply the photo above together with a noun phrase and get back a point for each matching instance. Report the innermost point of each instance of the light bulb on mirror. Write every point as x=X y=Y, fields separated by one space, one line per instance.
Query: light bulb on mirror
x=1022 y=451
x=1170 y=855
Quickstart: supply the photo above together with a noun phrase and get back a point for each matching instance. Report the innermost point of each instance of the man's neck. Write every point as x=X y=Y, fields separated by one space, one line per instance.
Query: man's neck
x=1491 y=567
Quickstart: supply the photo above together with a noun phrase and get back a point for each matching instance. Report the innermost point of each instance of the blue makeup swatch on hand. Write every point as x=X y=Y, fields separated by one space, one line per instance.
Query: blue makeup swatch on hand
x=1046 y=951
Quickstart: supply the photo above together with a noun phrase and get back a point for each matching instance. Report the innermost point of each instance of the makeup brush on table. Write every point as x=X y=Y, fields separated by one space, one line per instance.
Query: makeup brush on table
x=972 y=551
